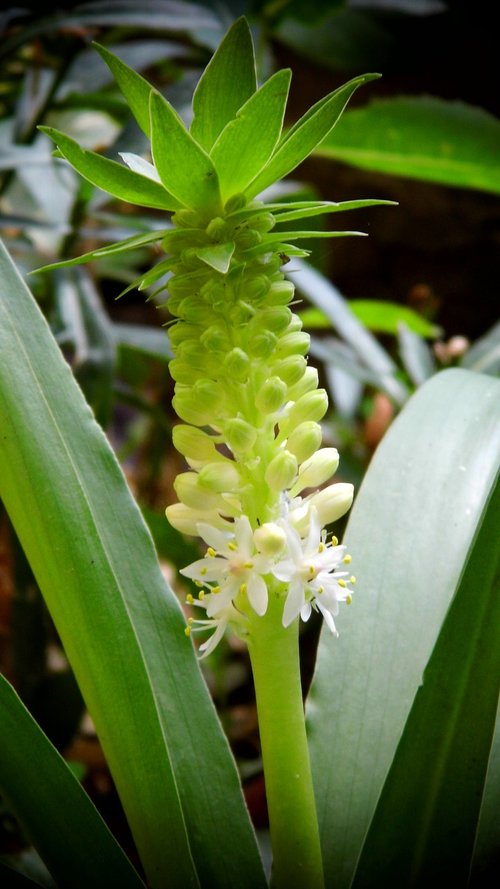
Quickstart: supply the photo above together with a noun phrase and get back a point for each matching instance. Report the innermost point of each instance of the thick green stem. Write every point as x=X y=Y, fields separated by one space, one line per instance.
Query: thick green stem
x=274 y=654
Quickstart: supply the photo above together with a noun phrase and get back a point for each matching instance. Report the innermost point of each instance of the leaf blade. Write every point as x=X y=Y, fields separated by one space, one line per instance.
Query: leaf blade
x=134 y=87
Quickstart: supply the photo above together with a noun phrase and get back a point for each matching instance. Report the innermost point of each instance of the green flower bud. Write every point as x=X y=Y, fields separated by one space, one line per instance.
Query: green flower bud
x=186 y=219
x=185 y=519
x=239 y=435
x=280 y=293
x=290 y=369
x=311 y=406
x=263 y=345
x=241 y=313
x=217 y=229
x=194 y=444
x=237 y=364
x=257 y=288
x=295 y=343
x=189 y=491
x=271 y=395
x=198 y=404
x=184 y=372
x=304 y=440
x=264 y=222
x=215 y=339
x=247 y=237
x=269 y=539
x=235 y=202
x=282 y=470
x=307 y=383
x=181 y=332
x=316 y=470
x=219 y=477
x=274 y=318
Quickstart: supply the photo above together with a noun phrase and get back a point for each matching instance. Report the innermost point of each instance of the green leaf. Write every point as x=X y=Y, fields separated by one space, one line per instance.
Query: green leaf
x=417 y=358
x=484 y=354
x=247 y=142
x=217 y=256
x=385 y=317
x=424 y=828
x=64 y=825
x=111 y=176
x=138 y=338
x=225 y=85
x=306 y=134
x=116 y=249
x=423 y=138
x=184 y=168
x=135 y=88
x=309 y=209
x=410 y=533
x=120 y=624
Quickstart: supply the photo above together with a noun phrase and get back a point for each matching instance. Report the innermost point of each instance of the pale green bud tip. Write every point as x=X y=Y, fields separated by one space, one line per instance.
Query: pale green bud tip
x=237 y=364
x=239 y=435
x=304 y=440
x=219 y=477
x=271 y=395
x=316 y=470
x=187 y=487
x=333 y=502
x=282 y=471
x=269 y=539
x=194 y=444
x=312 y=406
x=186 y=520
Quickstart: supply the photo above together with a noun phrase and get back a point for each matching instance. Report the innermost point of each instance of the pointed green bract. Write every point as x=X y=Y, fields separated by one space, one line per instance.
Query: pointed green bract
x=135 y=88
x=227 y=82
x=111 y=176
x=111 y=250
x=306 y=134
x=217 y=256
x=297 y=212
x=247 y=142
x=62 y=822
x=184 y=167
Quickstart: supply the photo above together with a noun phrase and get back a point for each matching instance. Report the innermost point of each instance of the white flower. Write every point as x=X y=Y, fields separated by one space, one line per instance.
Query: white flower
x=232 y=565
x=219 y=624
x=311 y=570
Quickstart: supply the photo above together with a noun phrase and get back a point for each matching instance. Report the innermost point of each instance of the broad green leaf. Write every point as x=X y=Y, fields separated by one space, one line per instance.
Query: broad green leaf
x=410 y=533
x=111 y=176
x=225 y=85
x=120 y=624
x=132 y=243
x=64 y=825
x=248 y=141
x=217 y=256
x=425 y=825
x=421 y=137
x=306 y=134
x=184 y=168
x=135 y=88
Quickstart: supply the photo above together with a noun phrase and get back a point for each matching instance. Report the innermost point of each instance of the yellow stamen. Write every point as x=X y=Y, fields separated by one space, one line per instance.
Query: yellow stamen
x=311 y=570
x=341 y=582
x=189 y=599
x=190 y=620
x=198 y=583
x=321 y=590
x=352 y=579
x=215 y=589
x=203 y=571
x=187 y=631
x=243 y=588
x=201 y=595
x=321 y=547
x=248 y=565
x=347 y=559
x=232 y=546
x=348 y=600
x=335 y=541
x=211 y=552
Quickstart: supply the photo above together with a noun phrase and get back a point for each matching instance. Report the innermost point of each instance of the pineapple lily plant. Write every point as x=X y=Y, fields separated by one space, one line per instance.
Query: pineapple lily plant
x=257 y=491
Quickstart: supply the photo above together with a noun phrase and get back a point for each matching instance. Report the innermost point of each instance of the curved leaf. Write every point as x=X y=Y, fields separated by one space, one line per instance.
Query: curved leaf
x=410 y=533
x=59 y=817
x=121 y=626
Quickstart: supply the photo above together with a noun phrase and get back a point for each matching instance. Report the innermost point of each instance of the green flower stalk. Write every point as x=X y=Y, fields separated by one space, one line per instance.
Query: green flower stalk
x=255 y=490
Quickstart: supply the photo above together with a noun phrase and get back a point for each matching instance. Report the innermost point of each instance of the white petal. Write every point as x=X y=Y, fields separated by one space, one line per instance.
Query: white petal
x=294 y=602
x=305 y=611
x=244 y=536
x=328 y=617
x=257 y=594
x=214 y=640
x=213 y=536
x=206 y=569
x=218 y=602
x=284 y=570
x=137 y=163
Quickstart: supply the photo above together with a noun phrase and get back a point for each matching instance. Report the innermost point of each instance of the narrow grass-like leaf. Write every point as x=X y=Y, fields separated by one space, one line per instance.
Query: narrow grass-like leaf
x=62 y=822
x=184 y=168
x=378 y=315
x=417 y=358
x=306 y=134
x=317 y=209
x=425 y=825
x=419 y=508
x=120 y=624
x=225 y=85
x=111 y=176
x=132 y=243
x=134 y=87
x=248 y=141
x=421 y=137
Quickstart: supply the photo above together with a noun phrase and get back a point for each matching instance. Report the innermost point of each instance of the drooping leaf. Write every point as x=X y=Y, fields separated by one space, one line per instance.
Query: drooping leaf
x=248 y=141
x=184 y=168
x=121 y=626
x=421 y=137
x=134 y=87
x=124 y=246
x=113 y=177
x=410 y=535
x=63 y=824
x=306 y=134
x=225 y=85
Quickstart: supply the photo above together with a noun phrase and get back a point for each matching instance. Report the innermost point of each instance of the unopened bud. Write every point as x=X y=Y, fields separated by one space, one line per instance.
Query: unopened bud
x=333 y=502
x=216 y=228
x=263 y=345
x=186 y=520
x=219 y=477
x=269 y=539
x=239 y=435
x=271 y=395
x=290 y=369
x=274 y=318
x=235 y=202
x=282 y=471
x=307 y=383
x=305 y=440
x=295 y=343
x=281 y=293
x=312 y=406
x=316 y=470
x=187 y=487
x=237 y=364
x=194 y=444
x=214 y=339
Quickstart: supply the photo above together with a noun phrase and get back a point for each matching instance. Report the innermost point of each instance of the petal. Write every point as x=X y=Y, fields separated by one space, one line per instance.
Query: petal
x=244 y=536
x=213 y=536
x=328 y=617
x=214 y=640
x=294 y=602
x=206 y=569
x=218 y=602
x=284 y=570
x=305 y=611
x=257 y=593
